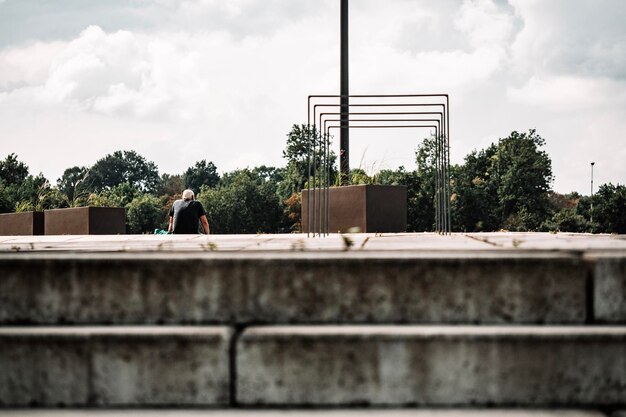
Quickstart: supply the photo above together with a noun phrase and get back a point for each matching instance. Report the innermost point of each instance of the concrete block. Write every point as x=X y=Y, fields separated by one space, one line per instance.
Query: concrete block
x=292 y=288
x=444 y=366
x=299 y=413
x=370 y=208
x=609 y=294
x=28 y=223
x=85 y=221
x=114 y=366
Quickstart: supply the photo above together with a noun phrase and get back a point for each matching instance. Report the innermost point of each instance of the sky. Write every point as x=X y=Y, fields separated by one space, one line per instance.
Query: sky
x=224 y=80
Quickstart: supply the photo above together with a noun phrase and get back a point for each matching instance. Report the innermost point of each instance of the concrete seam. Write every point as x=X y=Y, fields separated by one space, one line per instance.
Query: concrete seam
x=89 y=349
x=590 y=293
x=232 y=364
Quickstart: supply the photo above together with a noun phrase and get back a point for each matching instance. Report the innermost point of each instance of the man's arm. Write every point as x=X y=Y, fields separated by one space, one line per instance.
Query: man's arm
x=205 y=224
x=171 y=226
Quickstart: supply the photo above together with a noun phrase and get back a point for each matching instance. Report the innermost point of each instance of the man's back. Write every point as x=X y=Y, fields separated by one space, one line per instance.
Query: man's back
x=186 y=215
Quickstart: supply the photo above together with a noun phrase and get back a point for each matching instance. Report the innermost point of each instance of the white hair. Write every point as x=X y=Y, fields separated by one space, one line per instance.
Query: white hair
x=188 y=195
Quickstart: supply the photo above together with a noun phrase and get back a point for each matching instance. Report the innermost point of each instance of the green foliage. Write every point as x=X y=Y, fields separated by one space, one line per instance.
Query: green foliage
x=358 y=176
x=504 y=186
x=202 y=173
x=523 y=174
x=243 y=202
x=144 y=214
x=117 y=196
x=73 y=186
x=171 y=185
x=474 y=193
x=567 y=220
x=34 y=193
x=124 y=167
x=12 y=171
x=13 y=175
x=609 y=208
x=297 y=153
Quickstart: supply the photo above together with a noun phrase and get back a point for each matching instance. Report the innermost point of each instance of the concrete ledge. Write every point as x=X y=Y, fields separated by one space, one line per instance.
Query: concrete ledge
x=432 y=366
x=116 y=366
x=300 y=413
x=609 y=296
x=309 y=288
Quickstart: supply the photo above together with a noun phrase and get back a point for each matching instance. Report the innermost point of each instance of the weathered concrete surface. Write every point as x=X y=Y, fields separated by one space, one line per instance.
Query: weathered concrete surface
x=485 y=287
x=114 y=366
x=300 y=413
x=433 y=366
x=361 y=242
x=609 y=296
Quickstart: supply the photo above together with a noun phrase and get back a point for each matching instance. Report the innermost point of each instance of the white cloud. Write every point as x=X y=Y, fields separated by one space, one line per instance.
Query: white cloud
x=484 y=23
x=27 y=65
x=576 y=37
x=183 y=80
x=565 y=93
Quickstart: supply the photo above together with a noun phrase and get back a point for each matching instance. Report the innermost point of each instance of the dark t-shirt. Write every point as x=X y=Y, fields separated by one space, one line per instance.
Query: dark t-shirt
x=186 y=215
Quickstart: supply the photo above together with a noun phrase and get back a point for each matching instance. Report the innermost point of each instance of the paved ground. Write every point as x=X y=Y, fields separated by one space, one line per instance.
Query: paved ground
x=398 y=242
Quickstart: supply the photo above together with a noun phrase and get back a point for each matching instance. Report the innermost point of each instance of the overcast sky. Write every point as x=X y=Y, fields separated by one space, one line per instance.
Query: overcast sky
x=223 y=80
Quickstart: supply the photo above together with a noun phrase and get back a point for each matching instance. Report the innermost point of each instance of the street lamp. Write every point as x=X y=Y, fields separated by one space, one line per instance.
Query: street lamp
x=591 y=208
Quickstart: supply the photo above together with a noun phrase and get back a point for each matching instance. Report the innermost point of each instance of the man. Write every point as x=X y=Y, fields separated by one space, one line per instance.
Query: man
x=184 y=215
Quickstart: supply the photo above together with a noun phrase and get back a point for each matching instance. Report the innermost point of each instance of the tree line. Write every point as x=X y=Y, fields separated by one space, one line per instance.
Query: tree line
x=506 y=186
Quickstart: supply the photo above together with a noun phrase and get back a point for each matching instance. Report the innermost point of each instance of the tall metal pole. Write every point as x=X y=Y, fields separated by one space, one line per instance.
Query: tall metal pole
x=591 y=208
x=344 y=140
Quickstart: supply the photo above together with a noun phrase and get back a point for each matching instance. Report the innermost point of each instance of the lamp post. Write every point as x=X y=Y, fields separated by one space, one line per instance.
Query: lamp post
x=591 y=208
x=344 y=140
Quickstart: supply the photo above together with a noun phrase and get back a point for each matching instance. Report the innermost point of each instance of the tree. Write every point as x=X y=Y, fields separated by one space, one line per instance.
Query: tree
x=293 y=211
x=474 y=194
x=202 y=173
x=243 y=202
x=503 y=186
x=73 y=186
x=523 y=174
x=118 y=196
x=567 y=220
x=609 y=208
x=144 y=214
x=421 y=187
x=298 y=152
x=171 y=185
x=124 y=167
x=12 y=171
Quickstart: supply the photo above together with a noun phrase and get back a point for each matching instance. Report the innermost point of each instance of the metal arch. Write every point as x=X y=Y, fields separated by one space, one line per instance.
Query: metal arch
x=442 y=151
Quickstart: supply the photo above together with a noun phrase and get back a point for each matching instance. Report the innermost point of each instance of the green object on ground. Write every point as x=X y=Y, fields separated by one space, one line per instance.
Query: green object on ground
x=160 y=232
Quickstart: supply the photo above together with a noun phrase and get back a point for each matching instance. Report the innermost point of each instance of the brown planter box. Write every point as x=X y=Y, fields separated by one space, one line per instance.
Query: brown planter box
x=371 y=208
x=28 y=223
x=86 y=221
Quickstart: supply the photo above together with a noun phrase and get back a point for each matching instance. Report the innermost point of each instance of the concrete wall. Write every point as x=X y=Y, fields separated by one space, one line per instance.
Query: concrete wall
x=529 y=330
